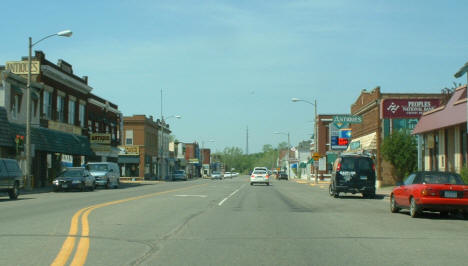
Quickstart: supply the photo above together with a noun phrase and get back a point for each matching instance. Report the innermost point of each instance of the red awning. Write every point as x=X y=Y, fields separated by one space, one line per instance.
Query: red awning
x=453 y=113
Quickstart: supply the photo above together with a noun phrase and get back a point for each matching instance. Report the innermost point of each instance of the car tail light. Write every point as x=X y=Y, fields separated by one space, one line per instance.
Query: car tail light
x=338 y=167
x=373 y=167
x=252 y=176
x=267 y=176
x=428 y=192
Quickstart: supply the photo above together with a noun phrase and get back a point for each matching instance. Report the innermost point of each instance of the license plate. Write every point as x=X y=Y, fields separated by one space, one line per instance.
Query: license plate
x=450 y=194
x=363 y=177
x=64 y=185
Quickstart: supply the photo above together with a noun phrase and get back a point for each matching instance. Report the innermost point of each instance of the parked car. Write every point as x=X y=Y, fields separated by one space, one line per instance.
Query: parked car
x=260 y=176
x=430 y=191
x=107 y=174
x=353 y=173
x=11 y=177
x=216 y=175
x=282 y=175
x=74 y=178
x=227 y=174
x=179 y=175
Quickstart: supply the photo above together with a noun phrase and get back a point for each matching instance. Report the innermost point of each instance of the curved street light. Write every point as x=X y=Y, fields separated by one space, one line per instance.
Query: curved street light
x=294 y=100
x=64 y=33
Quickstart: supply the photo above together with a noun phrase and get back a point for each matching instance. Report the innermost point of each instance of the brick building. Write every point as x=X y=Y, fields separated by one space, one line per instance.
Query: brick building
x=192 y=157
x=381 y=114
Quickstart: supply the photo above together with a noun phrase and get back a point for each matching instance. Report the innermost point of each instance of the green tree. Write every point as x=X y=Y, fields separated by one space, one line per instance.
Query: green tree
x=400 y=150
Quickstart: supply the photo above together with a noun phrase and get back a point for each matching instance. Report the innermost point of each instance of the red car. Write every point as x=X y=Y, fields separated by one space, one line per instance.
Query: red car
x=430 y=191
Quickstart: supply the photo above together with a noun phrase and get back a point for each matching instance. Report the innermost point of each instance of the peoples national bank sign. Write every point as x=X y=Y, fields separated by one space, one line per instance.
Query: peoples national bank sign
x=407 y=108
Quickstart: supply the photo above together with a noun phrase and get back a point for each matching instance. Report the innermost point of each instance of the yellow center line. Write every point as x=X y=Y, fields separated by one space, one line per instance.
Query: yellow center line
x=83 y=246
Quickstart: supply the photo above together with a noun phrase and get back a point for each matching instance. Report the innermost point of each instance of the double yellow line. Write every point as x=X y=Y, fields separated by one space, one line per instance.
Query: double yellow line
x=81 y=252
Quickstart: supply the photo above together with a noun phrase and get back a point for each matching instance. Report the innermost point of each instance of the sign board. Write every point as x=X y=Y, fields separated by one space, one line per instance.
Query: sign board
x=351 y=119
x=100 y=138
x=21 y=67
x=130 y=150
x=322 y=164
x=64 y=127
x=343 y=141
x=316 y=156
x=345 y=133
x=193 y=160
x=407 y=108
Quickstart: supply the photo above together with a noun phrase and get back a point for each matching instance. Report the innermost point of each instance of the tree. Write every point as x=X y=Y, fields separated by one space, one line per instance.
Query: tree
x=400 y=150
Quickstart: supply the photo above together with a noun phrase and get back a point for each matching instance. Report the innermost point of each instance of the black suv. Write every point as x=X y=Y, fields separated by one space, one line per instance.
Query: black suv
x=353 y=173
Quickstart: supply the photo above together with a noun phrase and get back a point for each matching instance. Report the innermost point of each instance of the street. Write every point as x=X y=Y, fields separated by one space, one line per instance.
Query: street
x=222 y=222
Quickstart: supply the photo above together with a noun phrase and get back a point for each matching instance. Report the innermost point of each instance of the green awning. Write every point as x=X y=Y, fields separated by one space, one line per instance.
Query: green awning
x=49 y=140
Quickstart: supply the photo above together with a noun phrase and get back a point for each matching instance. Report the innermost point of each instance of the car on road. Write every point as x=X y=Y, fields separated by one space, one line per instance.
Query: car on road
x=261 y=168
x=107 y=174
x=216 y=175
x=442 y=192
x=179 y=175
x=282 y=175
x=260 y=176
x=11 y=177
x=353 y=173
x=74 y=178
x=228 y=174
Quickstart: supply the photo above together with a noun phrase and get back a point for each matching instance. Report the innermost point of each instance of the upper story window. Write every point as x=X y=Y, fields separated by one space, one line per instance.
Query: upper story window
x=47 y=105
x=82 y=115
x=71 y=112
x=90 y=126
x=128 y=137
x=96 y=127
x=60 y=108
x=15 y=106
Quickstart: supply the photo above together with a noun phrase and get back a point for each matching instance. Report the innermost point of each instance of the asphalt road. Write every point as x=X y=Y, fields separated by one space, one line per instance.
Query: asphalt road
x=224 y=222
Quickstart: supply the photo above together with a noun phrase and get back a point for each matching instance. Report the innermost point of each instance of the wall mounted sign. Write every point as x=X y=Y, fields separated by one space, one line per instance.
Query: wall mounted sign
x=100 y=138
x=21 y=67
x=407 y=108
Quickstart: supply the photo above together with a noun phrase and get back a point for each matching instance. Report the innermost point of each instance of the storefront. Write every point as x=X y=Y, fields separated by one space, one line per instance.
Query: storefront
x=129 y=161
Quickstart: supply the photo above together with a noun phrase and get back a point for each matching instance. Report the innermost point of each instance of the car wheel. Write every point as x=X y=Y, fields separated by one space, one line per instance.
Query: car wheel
x=465 y=215
x=393 y=207
x=331 y=192
x=251 y=183
x=268 y=183
x=414 y=209
x=14 y=192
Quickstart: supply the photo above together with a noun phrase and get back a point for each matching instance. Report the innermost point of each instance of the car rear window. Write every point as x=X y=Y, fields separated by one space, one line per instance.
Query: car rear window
x=98 y=167
x=179 y=172
x=258 y=172
x=442 y=178
x=350 y=164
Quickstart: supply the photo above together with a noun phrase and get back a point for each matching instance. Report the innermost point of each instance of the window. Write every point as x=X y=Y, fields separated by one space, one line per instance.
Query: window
x=96 y=127
x=90 y=126
x=15 y=106
x=409 y=179
x=71 y=112
x=60 y=109
x=47 y=105
x=128 y=137
x=82 y=114
x=107 y=129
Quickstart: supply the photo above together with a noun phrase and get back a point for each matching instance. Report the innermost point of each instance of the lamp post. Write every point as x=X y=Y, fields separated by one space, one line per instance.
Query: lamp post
x=315 y=131
x=65 y=33
x=163 y=126
x=289 y=149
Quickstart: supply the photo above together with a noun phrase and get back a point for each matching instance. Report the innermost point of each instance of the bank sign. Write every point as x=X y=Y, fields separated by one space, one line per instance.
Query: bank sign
x=407 y=108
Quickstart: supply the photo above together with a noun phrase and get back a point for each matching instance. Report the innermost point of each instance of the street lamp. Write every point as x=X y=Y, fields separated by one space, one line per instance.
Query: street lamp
x=289 y=148
x=65 y=33
x=161 y=149
x=315 y=130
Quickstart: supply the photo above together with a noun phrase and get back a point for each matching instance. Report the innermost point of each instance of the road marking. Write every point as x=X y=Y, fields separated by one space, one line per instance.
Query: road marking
x=230 y=195
x=83 y=246
x=200 y=196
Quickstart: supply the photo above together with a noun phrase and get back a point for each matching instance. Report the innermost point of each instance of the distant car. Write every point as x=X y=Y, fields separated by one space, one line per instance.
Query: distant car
x=353 y=173
x=107 y=174
x=179 y=175
x=430 y=191
x=216 y=175
x=282 y=175
x=259 y=176
x=11 y=177
x=228 y=174
x=74 y=178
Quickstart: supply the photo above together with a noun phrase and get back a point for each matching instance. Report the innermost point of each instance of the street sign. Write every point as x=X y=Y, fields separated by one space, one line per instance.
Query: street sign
x=316 y=156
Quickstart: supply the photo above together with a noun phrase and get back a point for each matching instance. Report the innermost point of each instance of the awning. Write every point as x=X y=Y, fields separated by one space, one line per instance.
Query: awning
x=49 y=140
x=105 y=150
x=453 y=113
x=128 y=159
x=364 y=143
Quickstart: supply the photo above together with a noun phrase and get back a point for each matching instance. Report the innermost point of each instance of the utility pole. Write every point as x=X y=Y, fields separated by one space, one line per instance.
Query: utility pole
x=247 y=142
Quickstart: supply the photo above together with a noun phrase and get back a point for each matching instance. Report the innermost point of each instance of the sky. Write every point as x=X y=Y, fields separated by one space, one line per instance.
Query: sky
x=224 y=66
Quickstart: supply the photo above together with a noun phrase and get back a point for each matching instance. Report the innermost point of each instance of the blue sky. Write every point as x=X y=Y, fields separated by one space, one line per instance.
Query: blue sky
x=226 y=65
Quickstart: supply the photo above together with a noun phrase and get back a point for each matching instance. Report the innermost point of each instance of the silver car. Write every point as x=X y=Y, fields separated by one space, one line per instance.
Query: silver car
x=260 y=176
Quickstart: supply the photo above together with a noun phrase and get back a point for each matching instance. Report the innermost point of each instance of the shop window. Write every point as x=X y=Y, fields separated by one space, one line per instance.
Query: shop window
x=15 y=106
x=96 y=127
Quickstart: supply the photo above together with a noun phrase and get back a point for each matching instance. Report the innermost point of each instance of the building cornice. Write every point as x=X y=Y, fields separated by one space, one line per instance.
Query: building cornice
x=65 y=79
x=105 y=106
